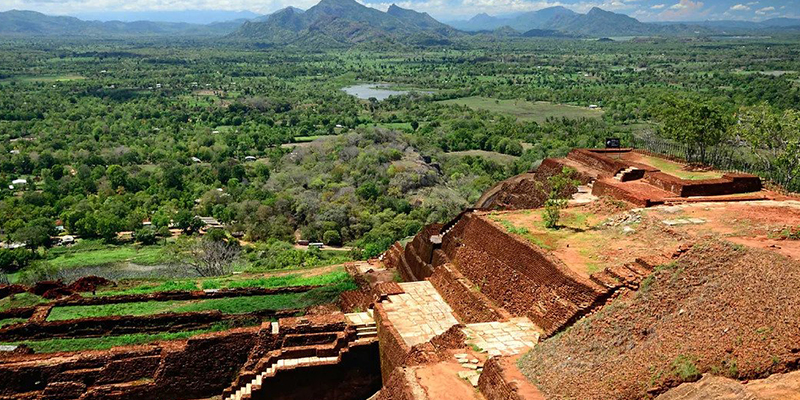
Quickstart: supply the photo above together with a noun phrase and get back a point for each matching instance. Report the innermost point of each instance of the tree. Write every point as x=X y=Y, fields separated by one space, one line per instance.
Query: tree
x=33 y=236
x=117 y=176
x=187 y=221
x=332 y=238
x=774 y=138
x=146 y=236
x=694 y=123
x=558 y=197
x=205 y=257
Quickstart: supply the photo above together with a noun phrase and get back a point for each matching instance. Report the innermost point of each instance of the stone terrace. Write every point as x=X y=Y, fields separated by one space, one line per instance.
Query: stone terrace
x=513 y=337
x=420 y=313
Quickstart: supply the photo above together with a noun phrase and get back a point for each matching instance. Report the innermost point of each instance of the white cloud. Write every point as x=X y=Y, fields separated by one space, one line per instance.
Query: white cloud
x=682 y=10
x=752 y=3
x=740 y=7
x=658 y=6
x=765 y=10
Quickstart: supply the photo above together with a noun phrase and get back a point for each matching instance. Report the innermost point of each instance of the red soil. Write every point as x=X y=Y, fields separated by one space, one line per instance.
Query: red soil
x=720 y=308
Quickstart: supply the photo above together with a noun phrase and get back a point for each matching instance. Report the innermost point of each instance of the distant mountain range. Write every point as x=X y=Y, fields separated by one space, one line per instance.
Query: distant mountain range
x=598 y=22
x=201 y=17
x=347 y=22
x=31 y=23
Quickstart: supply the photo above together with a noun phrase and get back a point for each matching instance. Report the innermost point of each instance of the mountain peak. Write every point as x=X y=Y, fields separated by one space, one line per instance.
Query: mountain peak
x=598 y=11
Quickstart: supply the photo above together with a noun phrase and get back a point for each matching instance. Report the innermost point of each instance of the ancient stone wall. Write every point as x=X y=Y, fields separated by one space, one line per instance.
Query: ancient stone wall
x=728 y=184
x=356 y=377
x=415 y=261
x=393 y=349
x=402 y=385
x=469 y=304
x=598 y=160
x=518 y=277
x=501 y=380
x=199 y=367
x=603 y=188
x=174 y=370
x=128 y=324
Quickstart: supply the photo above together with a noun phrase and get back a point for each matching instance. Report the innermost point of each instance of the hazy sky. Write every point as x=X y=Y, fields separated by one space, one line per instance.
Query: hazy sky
x=645 y=10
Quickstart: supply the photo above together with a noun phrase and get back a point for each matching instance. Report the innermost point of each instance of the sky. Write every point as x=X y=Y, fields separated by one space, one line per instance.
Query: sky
x=447 y=10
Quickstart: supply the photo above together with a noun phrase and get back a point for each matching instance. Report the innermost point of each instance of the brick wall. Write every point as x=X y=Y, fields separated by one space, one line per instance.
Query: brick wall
x=469 y=305
x=517 y=276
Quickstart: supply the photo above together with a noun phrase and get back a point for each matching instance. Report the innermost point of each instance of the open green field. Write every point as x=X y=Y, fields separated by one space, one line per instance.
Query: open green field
x=491 y=155
x=234 y=305
x=46 y=78
x=92 y=256
x=335 y=277
x=524 y=110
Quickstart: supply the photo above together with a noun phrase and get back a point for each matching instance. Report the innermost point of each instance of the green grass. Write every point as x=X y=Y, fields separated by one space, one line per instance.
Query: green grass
x=94 y=256
x=247 y=304
x=676 y=169
x=491 y=155
x=167 y=286
x=107 y=342
x=334 y=277
x=11 y=321
x=301 y=139
x=47 y=78
x=526 y=110
x=233 y=305
x=20 y=300
x=684 y=367
x=105 y=310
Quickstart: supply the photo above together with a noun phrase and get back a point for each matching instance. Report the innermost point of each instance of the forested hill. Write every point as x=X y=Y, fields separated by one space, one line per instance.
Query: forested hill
x=31 y=23
x=346 y=22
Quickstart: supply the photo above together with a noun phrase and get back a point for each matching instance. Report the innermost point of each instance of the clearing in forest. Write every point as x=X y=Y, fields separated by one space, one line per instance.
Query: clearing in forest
x=523 y=110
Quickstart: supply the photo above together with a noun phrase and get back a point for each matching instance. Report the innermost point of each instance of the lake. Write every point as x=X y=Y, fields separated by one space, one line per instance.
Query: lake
x=376 y=90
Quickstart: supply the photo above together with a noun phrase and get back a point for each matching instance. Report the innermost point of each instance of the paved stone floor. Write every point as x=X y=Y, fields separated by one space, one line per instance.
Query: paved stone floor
x=420 y=313
x=362 y=318
x=503 y=338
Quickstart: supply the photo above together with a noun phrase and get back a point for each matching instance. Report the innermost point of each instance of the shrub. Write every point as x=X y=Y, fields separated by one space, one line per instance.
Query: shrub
x=684 y=367
x=146 y=236
x=332 y=237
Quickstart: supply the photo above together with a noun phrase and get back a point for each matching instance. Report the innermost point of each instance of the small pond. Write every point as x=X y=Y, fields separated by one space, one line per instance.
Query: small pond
x=376 y=90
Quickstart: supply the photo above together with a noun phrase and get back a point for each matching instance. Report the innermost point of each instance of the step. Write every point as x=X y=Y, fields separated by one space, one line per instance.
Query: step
x=623 y=274
x=605 y=279
x=639 y=269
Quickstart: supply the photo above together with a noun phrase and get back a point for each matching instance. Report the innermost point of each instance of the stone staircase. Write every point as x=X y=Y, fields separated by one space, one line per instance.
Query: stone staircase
x=621 y=174
x=364 y=324
x=250 y=385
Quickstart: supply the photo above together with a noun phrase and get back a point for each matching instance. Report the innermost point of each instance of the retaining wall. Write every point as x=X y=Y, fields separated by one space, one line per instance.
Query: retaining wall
x=127 y=324
x=517 y=276
x=393 y=349
x=597 y=159
x=200 y=367
x=603 y=188
x=355 y=377
x=728 y=184
x=469 y=305
x=415 y=260
x=501 y=381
